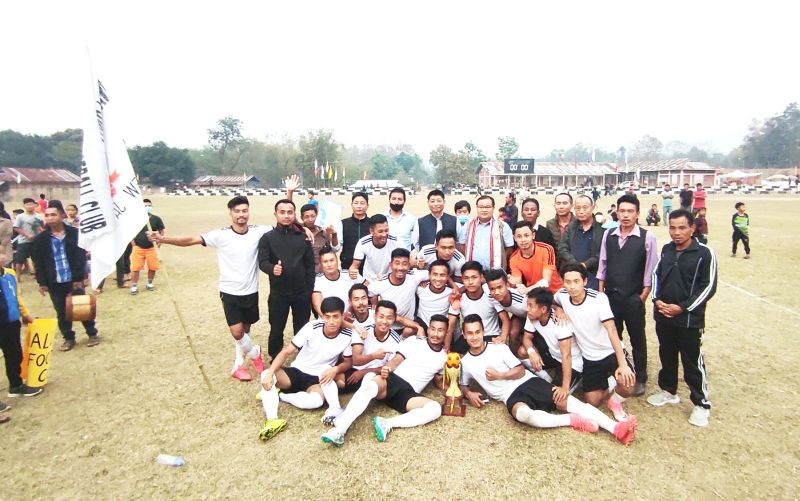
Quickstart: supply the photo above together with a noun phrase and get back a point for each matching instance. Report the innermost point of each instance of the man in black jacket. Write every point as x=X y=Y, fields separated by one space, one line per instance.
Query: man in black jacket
x=60 y=268
x=684 y=279
x=582 y=239
x=354 y=228
x=286 y=256
x=438 y=220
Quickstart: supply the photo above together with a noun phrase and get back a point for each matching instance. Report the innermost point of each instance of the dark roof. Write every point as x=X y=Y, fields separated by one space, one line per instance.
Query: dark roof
x=223 y=180
x=34 y=175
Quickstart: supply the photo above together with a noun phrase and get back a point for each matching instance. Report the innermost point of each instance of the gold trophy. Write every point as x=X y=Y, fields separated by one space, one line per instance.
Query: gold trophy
x=454 y=401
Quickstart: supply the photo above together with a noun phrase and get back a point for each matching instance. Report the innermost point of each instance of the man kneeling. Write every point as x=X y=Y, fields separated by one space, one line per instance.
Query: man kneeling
x=528 y=398
x=309 y=381
x=399 y=384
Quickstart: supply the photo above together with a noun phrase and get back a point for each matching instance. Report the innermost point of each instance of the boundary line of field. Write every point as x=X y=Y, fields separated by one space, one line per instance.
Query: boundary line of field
x=756 y=296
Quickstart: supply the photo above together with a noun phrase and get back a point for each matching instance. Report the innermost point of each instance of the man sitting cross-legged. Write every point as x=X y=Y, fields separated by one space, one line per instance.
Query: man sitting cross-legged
x=311 y=376
x=529 y=399
x=399 y=385
x=371 y=353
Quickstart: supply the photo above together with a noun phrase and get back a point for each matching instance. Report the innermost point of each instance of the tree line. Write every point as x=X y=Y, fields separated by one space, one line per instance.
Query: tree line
x=321 y=160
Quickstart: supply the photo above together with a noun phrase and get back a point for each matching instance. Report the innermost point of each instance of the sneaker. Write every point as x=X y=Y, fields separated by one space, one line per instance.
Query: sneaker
x=747 y=256
x=333 y=437
x=330 y=416
x=699 y=416
x=93 y=341
x=663 y=397
x=134 y=290
x=150 y=287
x=23 y=391
x=258 y=362
x=67 y=345
x=242 y=374
x=624 y=431
x=382 y=428
x=581 y=423
x=733 y=255
x=271 y=428
x=4 y=407
x=638 y=390
x=616 y=408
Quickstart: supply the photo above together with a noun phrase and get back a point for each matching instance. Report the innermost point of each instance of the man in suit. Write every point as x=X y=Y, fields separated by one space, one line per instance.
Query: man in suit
x=428 y=226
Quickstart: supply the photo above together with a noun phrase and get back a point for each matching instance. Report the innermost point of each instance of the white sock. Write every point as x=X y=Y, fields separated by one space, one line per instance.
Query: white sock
x=254 y=352
x=302 y=399
x=540 y=419
x=331 y=393
x=269 y=400
x=358 y=404
x=590 y=412
x=417 y=417
x=542 y=374
x=245 y=343
x=616 y=397
x=238 y=355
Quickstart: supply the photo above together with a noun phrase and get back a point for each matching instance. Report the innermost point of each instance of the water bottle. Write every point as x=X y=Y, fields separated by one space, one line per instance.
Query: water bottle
x=168 y=460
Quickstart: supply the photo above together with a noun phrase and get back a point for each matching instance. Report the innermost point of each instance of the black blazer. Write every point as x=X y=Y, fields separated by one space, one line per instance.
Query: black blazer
x=427 y=227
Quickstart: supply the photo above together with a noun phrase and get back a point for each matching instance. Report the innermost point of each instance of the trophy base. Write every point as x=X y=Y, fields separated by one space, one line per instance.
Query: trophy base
x=454 y=406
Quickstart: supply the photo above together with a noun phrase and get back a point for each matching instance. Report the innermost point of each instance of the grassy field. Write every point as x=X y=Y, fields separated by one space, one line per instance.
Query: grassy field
x=109 y=411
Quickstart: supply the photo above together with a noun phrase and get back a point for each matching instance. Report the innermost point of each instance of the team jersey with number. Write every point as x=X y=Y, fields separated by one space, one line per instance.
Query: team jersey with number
x=499 y=358
x=421 y=362
x=587 y=322
x=319 y=352
x=432 y=303
x=372 y=344
x=340 y=287
x=428 y=253
x=376 y=260
x=484 y=306
x=237 y=258
x=404 y=295
x=552 y=333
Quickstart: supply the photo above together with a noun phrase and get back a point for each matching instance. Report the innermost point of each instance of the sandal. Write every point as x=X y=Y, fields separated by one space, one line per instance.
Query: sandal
x=5 y=419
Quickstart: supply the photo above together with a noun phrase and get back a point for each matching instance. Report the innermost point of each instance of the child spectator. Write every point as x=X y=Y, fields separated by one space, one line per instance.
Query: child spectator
x=701 y=226
x=741 y=230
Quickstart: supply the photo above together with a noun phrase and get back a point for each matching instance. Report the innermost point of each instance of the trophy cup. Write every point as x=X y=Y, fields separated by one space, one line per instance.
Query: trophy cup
x=453 y=401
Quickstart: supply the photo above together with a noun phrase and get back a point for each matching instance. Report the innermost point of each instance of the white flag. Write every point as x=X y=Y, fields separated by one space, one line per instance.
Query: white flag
x=335 y=174
x=111 y=207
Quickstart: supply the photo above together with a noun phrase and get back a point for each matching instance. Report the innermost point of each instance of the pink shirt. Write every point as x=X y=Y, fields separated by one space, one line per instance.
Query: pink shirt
x=699 y=197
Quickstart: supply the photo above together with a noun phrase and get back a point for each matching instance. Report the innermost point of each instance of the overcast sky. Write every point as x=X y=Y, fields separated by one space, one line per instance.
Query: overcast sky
x=421 y=73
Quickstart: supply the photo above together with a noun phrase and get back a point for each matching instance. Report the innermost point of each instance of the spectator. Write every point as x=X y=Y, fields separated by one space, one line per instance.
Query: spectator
x=653 y=217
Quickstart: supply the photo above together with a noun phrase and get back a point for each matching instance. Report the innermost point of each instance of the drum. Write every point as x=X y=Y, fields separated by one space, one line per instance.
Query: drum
x=81 y=308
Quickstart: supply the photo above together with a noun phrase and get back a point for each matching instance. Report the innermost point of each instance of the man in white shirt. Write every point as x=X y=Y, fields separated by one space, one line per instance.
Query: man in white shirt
x=237 y=252
x=311 y=378
x=478 y=300
x=443 y=250
x=434 y=297
x=372 y=352
x=596 y=336
x=374 y=250
x=515 y=304
x=402 y=224
x=399 y=385
x=529 y=399
x=331 y=282
x=400 y=287
x=359 y=314
x=548 y=344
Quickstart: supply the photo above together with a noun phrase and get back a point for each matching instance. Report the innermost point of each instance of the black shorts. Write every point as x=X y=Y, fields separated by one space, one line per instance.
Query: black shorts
x=300 y=381
x=536 y=393
x=596 y=372
x=350 y=388
x=240 y=309
x=23 y=252
x=398 y=393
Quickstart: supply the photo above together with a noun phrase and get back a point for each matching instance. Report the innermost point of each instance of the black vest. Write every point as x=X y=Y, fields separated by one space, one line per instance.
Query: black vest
x=625 y=267
x=427 y=227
